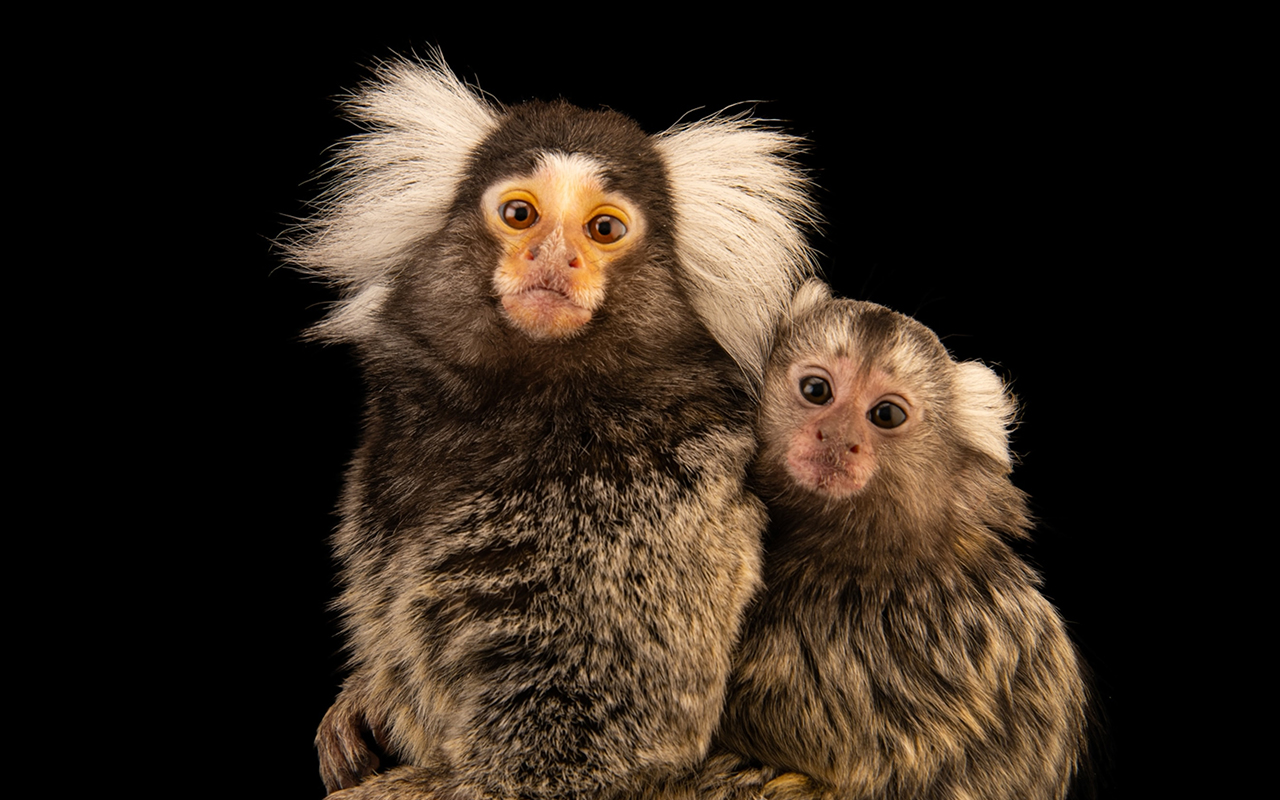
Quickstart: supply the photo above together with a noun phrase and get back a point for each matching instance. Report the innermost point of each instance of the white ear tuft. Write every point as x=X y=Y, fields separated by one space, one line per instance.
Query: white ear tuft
x=391 y=185
x=741 y=202
x=985 y=410
x=812 y=293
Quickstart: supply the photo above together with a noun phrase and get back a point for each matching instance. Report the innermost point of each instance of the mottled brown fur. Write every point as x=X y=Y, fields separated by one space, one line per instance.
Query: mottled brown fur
x=546 y=543
x=901 y=650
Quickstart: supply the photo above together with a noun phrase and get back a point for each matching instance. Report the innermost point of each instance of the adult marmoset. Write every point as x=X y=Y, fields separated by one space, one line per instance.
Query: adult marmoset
x=546 y=543
x=901 y=650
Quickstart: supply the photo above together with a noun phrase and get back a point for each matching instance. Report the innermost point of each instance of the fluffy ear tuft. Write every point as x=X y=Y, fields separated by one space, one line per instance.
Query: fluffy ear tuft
x=741 y=203
x=390 y=186
x=812 y=293
x=985 y=410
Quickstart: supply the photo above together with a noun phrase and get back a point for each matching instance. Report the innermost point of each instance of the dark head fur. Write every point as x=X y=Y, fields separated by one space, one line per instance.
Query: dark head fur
x=466 y=332
x=727 y=200
x=942 y=487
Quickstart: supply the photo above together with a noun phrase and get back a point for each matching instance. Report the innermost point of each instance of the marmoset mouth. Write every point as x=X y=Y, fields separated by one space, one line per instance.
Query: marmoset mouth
x=541 y=289
x=543 y=311
x=827 y=472
x=541 y=295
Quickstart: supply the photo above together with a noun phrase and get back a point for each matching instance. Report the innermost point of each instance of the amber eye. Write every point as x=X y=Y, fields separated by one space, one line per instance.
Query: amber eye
x=606 y=229
x=519 y=214
x=816 y=390
x=887 y=415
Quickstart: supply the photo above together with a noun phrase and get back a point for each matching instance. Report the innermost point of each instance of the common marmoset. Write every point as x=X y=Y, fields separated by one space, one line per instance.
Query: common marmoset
x=901 y=650
x=546 y=543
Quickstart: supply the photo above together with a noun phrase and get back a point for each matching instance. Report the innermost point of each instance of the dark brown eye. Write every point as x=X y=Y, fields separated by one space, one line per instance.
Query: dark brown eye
x=606 y=229
x=816 y=390
x=887 y=415
x=519 y=214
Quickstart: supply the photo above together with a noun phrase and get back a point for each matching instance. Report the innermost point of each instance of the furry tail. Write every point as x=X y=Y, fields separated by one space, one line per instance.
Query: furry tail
x=729 y=777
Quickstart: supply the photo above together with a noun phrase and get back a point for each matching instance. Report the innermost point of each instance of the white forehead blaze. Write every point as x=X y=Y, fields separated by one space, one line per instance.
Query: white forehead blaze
x=562 y=180
x=570 y=174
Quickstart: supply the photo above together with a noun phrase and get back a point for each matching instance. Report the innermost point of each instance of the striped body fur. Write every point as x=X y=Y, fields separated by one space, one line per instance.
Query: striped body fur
x=546 y=542
x=900 y=650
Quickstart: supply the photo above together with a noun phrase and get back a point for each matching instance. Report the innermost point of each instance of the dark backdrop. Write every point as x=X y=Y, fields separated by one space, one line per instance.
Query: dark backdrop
x=988 y=189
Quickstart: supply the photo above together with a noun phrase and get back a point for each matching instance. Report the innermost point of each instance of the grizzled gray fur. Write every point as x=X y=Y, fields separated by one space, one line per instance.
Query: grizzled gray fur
x=901 y=650
x=546 y=543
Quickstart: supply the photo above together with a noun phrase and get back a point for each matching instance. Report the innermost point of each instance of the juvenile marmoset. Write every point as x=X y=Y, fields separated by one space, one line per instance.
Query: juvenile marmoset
x=900 y=649
x=546 y=544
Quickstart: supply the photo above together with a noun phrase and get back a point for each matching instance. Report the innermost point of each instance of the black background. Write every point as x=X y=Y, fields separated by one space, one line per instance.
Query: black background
x=994 y=188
